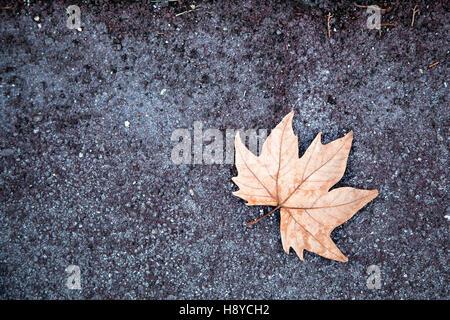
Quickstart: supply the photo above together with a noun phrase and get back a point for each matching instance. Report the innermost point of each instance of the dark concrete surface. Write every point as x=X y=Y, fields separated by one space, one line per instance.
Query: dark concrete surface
x=80 y=187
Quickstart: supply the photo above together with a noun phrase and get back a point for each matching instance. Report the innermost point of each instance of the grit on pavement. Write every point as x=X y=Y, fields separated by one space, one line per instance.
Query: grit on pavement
x=87 y=118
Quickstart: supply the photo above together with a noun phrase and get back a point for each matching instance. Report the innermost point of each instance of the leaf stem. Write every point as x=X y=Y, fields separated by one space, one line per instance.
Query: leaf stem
x=251 y=223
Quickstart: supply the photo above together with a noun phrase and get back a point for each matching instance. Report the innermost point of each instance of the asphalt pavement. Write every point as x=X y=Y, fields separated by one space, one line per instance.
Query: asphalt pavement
x=87 y=118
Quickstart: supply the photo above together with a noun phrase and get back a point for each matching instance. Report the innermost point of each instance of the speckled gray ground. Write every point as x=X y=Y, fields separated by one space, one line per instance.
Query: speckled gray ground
x=79 y=187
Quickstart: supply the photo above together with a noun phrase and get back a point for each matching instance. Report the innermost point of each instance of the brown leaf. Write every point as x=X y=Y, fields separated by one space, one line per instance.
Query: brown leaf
x=299 y=187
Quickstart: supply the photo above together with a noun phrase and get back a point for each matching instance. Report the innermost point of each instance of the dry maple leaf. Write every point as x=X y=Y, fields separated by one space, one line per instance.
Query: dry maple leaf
x=299 y=187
